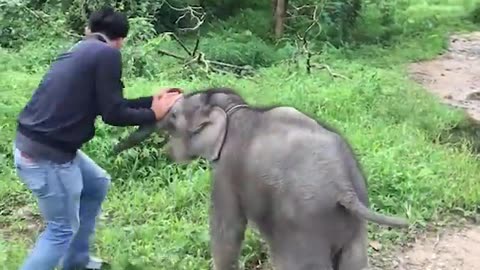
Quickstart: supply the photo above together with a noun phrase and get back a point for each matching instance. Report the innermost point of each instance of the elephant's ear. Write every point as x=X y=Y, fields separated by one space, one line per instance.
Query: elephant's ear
x=209 y=134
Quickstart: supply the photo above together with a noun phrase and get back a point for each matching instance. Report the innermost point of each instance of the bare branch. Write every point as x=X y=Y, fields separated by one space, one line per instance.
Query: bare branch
x=302 y=42
x=171 y=54
x=196 y=13
x=333 y=74
x=181 y=44
x=195 y=57
x=197 y=43
x=208 y=65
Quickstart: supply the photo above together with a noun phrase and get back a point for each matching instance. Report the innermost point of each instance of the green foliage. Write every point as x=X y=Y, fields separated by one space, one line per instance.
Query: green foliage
x=32 y=57
x=157 y=211
x=256 y=21
x=164 y=14
x=224 y=9
x=341 y=18
x=337 y=18
x=164 y=17
x=389 y=21
x=475 y=14
x=241 y=49
x=10 y=31
x=16 y=21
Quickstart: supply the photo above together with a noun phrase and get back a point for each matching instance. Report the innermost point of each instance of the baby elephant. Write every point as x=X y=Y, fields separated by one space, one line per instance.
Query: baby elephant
x=296 y=180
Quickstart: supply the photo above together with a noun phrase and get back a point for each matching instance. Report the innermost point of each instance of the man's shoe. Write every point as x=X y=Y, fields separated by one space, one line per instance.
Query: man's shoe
x=95 y=264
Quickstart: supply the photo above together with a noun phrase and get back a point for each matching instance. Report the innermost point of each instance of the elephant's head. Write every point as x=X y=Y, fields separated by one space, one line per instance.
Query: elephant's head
x=196 y=125
x=166 y=124
x=197 y=129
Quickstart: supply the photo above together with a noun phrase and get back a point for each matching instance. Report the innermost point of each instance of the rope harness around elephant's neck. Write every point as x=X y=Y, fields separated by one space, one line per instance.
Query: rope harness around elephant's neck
x=229 y=112
x=234 y=108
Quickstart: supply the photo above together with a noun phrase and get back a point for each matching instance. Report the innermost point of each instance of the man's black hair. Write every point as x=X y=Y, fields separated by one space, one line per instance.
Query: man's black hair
x=111 y=23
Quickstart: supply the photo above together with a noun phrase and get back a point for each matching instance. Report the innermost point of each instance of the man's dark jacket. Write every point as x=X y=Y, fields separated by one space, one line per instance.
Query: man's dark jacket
x=81 y=84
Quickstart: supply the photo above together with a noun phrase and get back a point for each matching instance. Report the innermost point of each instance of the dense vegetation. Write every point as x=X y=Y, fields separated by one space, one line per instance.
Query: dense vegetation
x=156 y=213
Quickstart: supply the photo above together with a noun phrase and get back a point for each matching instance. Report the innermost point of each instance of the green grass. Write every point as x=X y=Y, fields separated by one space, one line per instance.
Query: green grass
x=156 y=213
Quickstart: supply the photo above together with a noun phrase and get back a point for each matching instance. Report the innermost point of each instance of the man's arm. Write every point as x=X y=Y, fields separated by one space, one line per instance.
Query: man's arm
x=142 y=102
x=114 y=109
x=146 y=102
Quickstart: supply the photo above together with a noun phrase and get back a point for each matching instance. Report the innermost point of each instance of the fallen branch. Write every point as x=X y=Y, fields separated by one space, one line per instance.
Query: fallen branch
x=196 y=57
x=193 y=57
x=333 y=74
x=209 y=65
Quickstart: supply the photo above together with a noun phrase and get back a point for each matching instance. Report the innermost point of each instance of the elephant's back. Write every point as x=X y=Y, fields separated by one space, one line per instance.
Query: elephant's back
x=297 y=158
x=293 y=168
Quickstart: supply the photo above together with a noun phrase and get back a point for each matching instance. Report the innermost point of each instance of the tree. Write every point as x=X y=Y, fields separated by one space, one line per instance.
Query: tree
x=279 y=8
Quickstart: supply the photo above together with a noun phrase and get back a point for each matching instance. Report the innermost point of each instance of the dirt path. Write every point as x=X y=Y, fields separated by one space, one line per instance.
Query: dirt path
x=450 y=249
x=455 y=75
x=455 y=78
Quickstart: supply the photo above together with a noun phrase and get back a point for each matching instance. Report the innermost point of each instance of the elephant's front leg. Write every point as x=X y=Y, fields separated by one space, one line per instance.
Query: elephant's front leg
x=227 y=227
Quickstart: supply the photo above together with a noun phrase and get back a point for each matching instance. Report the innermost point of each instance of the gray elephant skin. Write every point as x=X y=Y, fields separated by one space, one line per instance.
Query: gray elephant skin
x=293 y=178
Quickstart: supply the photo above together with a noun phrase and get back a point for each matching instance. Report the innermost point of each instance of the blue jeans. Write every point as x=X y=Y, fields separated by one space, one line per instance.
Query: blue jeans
x=69 y=197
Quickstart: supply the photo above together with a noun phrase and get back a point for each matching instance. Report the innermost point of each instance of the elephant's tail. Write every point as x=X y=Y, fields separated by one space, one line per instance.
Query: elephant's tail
x=350 y=201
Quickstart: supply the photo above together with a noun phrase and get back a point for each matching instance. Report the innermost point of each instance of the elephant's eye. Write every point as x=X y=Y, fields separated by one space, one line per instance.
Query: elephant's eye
x=198 y=128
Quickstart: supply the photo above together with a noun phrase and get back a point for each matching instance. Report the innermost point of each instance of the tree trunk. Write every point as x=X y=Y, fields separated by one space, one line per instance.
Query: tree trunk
x=280 y=12
x=274 y=8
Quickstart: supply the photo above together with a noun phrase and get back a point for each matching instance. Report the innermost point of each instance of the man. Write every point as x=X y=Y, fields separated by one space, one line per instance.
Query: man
x=69 y=186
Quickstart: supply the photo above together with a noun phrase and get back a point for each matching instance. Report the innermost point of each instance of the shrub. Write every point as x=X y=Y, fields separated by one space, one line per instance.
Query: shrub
x=165 y=14
x=250 y=20
x=475 y=14
x=16 y=20
x=338 y=18
x=241 y=49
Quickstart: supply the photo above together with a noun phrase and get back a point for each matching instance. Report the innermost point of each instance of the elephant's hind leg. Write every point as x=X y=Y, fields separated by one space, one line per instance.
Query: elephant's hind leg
x=354 y=255
x=301 y=250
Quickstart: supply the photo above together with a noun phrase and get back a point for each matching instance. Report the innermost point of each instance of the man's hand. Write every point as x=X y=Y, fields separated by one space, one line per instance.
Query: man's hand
x=163 y=101
x=168 y=90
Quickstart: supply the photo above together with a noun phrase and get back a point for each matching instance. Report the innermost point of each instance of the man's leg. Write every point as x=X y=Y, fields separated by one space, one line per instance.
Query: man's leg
x=96 y=182
x=57 y=189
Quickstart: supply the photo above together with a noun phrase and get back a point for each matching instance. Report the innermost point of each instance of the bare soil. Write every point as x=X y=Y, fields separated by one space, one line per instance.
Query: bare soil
x=454 y=77
x=448 y=249
x=452 y=250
